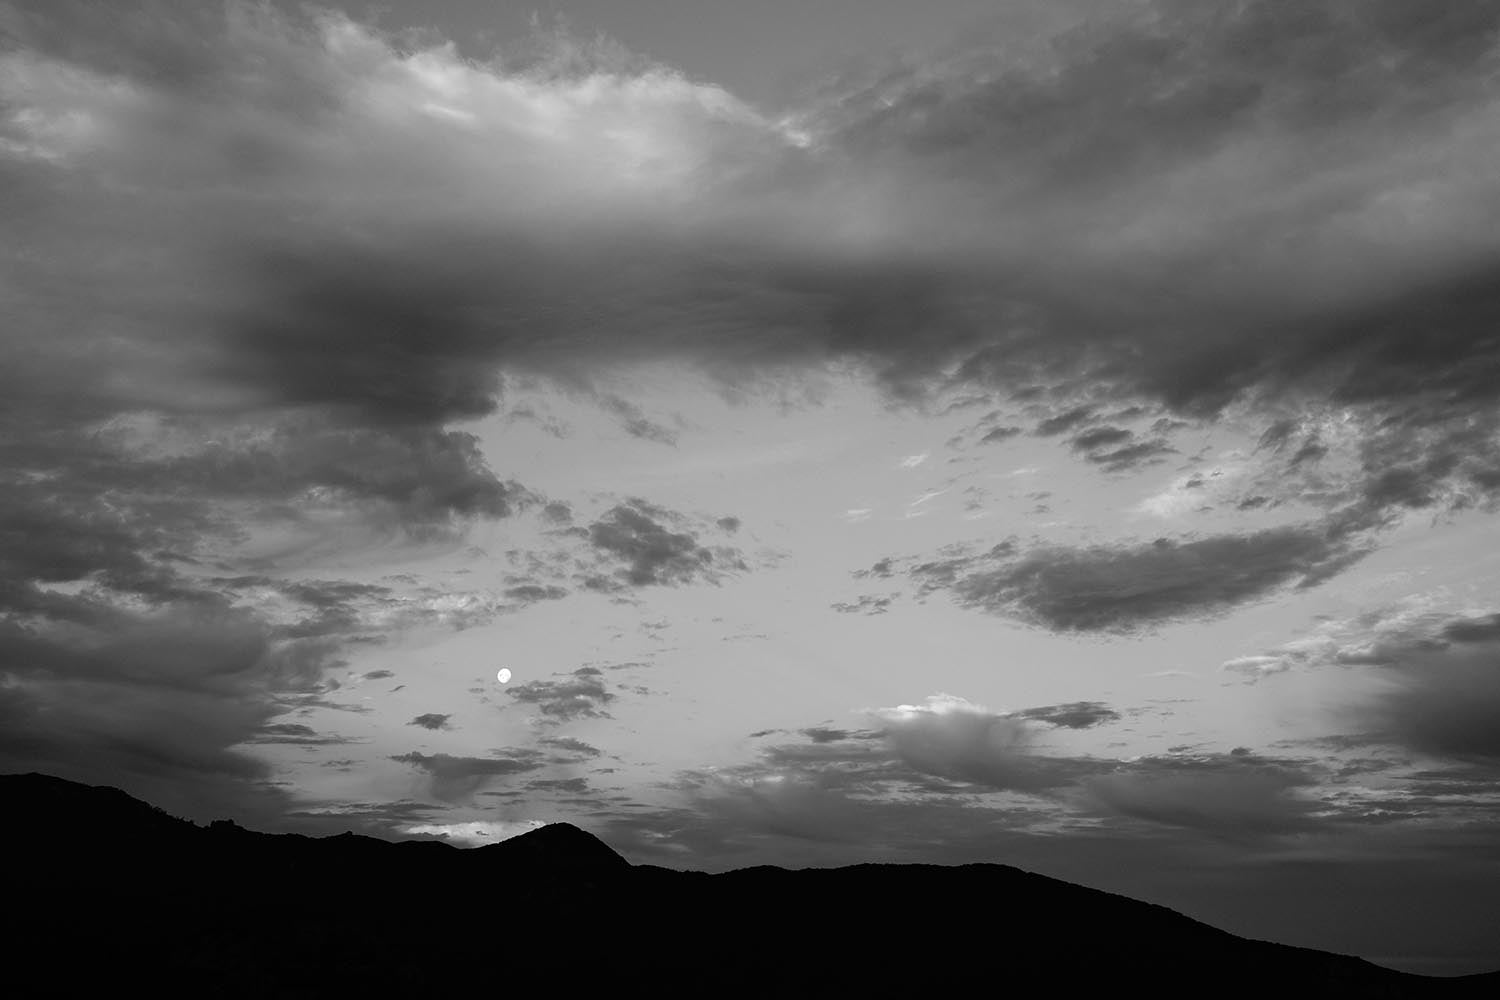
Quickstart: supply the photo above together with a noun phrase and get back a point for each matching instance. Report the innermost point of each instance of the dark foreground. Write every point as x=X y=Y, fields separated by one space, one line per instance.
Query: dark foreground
x=114 y=897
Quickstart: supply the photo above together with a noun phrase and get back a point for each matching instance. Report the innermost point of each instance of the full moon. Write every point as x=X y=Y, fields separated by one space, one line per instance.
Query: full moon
x=503 y=676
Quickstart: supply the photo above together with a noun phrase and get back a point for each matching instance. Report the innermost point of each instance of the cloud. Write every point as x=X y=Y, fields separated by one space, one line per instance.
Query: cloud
x=262 y=263
x=570 y=745
x=1204 y=104
x=956 y=739
x=1000 y=434
x=1256 y=667
x=1123 y=588
x=636 y=423
x=1063 y=422
x=1442 y=693
x=1477 y=628
x=415 y=475
x=350 y=240
x=1073 y=715
x=1232 y=795
x=372 y=233
x=296 y=734
x=529 y=593
x=867 y=604
x=1131 y=456
x=1428 y=680
x=143 y=678
x=827 y=734
x=391 y=328
x=373 y=818
x=431 y=720
x=573 y=786
x=833 y=785
x=557 y=512
x=1100 y=437
x=474 y=833
x=581 y=695
x=803 y=807
x=699 y=229
x=455 y=778
x=633 y=533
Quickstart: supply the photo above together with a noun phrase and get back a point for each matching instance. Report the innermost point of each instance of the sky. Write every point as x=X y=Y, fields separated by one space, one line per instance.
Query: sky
x=1058 y=435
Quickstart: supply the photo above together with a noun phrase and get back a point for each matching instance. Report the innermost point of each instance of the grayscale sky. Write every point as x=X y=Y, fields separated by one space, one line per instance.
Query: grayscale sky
x=1062 y=435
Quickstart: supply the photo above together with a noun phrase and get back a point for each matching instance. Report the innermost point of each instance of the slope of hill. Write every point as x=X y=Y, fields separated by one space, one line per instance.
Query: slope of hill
x=112 y=894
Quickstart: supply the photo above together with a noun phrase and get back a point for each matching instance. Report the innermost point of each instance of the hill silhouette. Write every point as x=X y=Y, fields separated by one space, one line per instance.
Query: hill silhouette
x=108 y=893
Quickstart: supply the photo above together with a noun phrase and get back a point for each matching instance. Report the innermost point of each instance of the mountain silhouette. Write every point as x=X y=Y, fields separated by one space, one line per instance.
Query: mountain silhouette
x=557 y=845
x=107 y=893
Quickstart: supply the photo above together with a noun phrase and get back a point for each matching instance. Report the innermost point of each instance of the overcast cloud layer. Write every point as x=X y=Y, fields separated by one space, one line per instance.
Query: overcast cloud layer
x=269 y=281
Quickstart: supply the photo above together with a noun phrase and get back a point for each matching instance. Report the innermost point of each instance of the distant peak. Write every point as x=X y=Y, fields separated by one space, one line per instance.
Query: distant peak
x=560 y=844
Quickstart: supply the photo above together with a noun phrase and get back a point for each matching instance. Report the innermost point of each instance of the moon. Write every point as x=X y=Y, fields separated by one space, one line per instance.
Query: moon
x=503 y=676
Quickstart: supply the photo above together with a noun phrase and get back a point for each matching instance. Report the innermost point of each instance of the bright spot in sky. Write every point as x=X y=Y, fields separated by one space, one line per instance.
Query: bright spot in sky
x=503 y=676
x=476 y=833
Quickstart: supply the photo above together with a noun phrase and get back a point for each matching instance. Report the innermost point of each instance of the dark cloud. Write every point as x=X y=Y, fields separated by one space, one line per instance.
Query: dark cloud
x=1437 y=680
x=326 y=594
x=812 y=807
x=1107 y=446
x=431 y=720
x=635 y=422
x=125 y=663
x=570 y=745
x=1073 y=715
x=1460 y=782
x=1127 y=587
x=557 y=512
x=1394 y=340
x=370 y=818
x=294 y=253
x=179 y=748
x=235 y=377
x=296 y=734
x=867 y=604
x=1064 y=422
x=336 y=606
x=420 y=476
x=581 y=695
x=453 y=778
x=1241 y=177
x=140 y=677
x=1000 y=434
x=1485 y=628
x=946 y=747
x=575 y=786
x=881 y=569
x=1101 y=437
x=1443 y=691
x=951 y=738
x=634 y=533
x=289 y=729
x=1132 y=456
x=1232 y=795
x=1179 y=86
x=530 y=593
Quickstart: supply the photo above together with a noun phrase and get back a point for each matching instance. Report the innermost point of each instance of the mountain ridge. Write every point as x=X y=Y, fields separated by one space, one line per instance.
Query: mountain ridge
x=226 y=911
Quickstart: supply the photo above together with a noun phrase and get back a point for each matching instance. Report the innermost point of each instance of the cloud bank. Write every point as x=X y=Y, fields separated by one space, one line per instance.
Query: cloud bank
x=259 y=267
